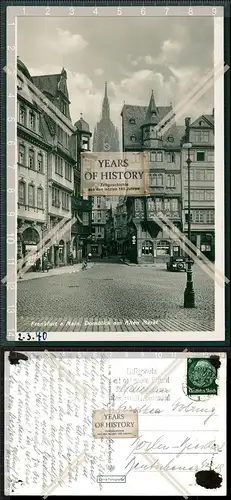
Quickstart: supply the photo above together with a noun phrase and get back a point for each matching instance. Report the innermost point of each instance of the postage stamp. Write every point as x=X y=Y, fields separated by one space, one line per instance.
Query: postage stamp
x=201 y=376
x=115 y=424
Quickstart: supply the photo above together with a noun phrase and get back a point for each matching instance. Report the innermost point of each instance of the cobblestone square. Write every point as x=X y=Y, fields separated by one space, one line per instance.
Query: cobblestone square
x=111 y=296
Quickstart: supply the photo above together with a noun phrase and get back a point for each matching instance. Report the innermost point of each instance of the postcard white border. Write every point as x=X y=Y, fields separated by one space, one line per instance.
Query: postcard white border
x=202 y=336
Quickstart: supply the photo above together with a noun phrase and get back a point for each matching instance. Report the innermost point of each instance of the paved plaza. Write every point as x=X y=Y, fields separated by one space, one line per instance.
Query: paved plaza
x=112 y=296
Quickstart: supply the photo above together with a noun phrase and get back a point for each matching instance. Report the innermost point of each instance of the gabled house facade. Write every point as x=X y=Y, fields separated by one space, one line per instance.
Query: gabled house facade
x=147 y=241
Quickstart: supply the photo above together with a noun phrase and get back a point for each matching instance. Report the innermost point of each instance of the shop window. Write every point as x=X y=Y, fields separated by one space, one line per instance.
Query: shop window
x=147 y=248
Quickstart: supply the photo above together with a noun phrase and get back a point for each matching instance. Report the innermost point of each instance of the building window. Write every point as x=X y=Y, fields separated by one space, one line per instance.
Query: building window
x=40 y=198
x=138 y=205
x=21 y=154
x=160 y=180
x=132 y=121
x=171 y=157
x=59 y=166
x=31 y=195
x=151 y=205
x=133 y=138
x=204 y=136
x=31 y=159
x=201 y=136
x=197 y=136
x=55 y=197
x=199 y=216
x=152 y=156
x=68 y=171
x=209 y=195
x=166 y=205
x=159 y=156
x=22 y=192
x=40 y=163
x=98 y=200
x=158 y=204
x=22 y=115
x=63 y=107
x=200 y=156
x=197 y=194
x=65 y=201
x=209 y=216
x=170 y=180
x=153 y=179
x=209 y=175
x=210 y=155
x=32 y=120
x=174 y=205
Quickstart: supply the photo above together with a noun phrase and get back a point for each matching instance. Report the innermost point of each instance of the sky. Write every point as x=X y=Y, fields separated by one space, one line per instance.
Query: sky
x=134 y=55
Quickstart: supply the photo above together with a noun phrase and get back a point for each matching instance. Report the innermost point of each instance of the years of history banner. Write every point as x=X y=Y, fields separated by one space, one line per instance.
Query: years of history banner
x=115 y=174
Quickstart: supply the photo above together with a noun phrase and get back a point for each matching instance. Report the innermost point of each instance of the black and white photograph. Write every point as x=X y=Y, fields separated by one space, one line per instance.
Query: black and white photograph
x=120 y=266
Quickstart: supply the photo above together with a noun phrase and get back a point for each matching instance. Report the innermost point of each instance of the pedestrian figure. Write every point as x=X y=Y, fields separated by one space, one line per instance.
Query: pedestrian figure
x=89 y=257
x=71 y=258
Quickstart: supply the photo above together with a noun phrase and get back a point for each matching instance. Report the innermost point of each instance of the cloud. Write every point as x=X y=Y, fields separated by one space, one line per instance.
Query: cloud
x=98 y=71
x=169 y=52
x=67 y=43
x=169 y=49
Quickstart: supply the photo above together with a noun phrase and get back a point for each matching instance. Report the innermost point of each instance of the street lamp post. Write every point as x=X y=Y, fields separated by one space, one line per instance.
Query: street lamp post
x=189 y=294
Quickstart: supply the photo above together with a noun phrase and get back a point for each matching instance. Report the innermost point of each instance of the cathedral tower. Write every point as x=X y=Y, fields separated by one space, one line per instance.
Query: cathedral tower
x=106 y=136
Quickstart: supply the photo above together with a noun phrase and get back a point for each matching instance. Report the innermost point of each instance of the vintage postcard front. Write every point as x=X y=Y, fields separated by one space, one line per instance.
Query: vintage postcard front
x=79 y=423
x=115 y=145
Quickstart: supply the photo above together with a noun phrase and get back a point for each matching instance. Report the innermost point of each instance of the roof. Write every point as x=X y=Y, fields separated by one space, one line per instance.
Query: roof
x=208 y=118
x=152 y=112
x=22 y=67
x=82 y=125
x=51 y=85
x=47 y=83
x=139 y=114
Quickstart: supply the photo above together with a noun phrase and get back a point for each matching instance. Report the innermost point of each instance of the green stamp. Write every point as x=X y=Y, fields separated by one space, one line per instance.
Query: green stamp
x=201 y=376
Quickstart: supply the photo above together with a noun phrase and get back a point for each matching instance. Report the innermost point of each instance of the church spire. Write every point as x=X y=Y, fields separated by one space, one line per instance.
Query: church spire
x=151 y=116
x=105 y=107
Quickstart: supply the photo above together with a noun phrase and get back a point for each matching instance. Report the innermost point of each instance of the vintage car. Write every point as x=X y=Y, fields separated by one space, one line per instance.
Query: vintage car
x=177 y=264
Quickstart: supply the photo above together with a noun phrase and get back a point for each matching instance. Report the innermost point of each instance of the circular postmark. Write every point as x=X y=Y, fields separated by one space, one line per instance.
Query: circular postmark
x=195 y=397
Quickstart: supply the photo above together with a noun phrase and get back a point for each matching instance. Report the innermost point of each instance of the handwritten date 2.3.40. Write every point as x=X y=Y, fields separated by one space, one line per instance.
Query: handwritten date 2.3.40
x=37 y=336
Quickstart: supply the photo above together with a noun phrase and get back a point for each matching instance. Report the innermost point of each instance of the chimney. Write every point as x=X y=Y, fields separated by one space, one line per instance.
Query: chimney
x=187 y=122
